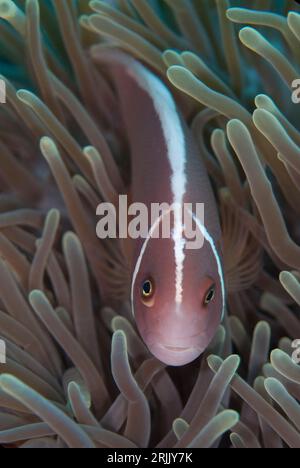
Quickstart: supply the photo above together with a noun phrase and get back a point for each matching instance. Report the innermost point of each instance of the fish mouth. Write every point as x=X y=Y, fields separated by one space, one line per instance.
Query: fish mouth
x=174 y=355
x=177 y=349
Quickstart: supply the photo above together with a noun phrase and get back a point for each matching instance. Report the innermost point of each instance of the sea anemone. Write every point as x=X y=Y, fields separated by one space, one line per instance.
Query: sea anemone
x=77 y=374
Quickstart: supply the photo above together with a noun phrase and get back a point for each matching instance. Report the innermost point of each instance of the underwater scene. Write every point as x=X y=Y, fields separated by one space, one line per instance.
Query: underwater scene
x=149 y=226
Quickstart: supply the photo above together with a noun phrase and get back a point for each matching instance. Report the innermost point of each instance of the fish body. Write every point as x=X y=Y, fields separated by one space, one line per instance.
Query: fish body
x=177 y=294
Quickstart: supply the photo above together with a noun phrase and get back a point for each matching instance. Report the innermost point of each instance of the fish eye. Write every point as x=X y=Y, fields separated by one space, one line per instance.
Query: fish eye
x=210 y=295
x=147 y=291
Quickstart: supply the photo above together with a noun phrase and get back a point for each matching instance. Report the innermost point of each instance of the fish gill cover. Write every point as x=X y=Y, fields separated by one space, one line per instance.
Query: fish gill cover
x=76 y=372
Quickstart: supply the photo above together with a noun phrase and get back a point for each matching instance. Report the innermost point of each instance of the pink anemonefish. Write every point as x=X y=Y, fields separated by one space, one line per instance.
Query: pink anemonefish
x=177 y=295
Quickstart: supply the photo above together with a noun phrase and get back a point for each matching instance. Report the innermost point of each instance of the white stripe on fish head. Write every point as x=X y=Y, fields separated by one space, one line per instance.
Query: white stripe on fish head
x=142 y=253
x=210 y=240
x=175 y=141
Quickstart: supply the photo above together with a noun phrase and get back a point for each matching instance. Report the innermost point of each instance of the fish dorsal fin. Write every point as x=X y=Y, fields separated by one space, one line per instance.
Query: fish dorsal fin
x=242 y=254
